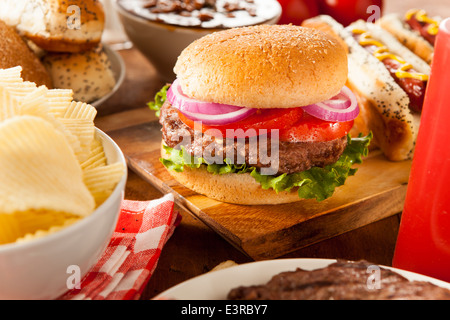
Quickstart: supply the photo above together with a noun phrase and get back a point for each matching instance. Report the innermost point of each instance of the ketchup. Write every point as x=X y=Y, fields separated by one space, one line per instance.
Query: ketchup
x=420 y=22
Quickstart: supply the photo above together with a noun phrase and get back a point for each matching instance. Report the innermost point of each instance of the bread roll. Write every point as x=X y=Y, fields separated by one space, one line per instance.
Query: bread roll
x=301 y=65
x=56 y=25
x=15 y=52
x=87 y=73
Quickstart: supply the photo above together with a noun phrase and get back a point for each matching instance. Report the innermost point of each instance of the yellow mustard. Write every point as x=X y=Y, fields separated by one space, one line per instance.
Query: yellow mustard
x=383 y=53
x=422 y=16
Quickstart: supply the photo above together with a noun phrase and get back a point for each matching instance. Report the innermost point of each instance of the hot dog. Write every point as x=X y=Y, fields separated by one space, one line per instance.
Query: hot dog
x=413 y=82
x=390 y=82
x=416 y=30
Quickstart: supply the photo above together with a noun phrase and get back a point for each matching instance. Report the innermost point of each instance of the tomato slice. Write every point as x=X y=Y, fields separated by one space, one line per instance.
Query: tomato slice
x=293 y=124
x=310 y=128
x=263 y=119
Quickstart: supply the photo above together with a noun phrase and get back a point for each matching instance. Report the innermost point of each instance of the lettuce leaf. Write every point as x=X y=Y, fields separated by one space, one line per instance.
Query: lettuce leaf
x=315 y=183
x=159 y=100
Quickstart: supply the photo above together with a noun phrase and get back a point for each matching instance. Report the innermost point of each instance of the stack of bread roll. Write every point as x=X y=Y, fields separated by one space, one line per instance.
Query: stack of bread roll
x=58 y=44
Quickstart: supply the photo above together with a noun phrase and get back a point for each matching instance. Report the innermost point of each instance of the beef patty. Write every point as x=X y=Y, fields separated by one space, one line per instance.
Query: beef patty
x=342 y=280
x=292 y=156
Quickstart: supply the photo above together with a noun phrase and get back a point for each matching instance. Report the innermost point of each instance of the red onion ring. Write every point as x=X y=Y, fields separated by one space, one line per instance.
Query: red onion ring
x=209 y=113
x=342 y=107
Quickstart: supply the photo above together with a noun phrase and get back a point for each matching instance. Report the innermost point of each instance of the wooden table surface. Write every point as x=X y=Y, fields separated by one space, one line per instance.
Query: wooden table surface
x=194 y=248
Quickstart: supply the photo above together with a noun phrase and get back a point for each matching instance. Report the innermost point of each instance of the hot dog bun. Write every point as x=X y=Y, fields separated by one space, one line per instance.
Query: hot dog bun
x=393 y=44
x=415 y=29
x=383 y=103
x=56 y=25
x=395 y=25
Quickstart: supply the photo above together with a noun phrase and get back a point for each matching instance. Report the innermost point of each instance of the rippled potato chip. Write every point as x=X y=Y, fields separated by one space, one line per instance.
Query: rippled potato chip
x=26 y=224
x=53 y=169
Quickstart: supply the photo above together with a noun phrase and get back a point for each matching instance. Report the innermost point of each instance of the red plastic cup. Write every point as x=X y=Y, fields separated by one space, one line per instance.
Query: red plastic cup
x=423 y=243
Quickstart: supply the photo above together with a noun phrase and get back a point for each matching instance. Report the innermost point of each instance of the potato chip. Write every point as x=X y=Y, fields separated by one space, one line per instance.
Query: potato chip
x=53 y=169
x=96 y=157
x=38 y=169
x=35 y=103
x=59 y=100
x=9 y=228
x=42 y=233
x=9 y=106
x=80 y=110
x=22 y=89
x=20 y=224
x=11 y=75
x=101 y=180
x=84 y=131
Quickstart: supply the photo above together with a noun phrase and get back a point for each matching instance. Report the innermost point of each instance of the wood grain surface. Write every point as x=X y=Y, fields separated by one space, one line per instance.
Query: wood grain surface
x=195 y=248
x=377 y=191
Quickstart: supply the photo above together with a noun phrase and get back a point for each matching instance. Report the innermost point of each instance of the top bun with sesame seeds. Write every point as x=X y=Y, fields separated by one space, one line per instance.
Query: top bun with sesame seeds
x=285 y=66
x=56 y=25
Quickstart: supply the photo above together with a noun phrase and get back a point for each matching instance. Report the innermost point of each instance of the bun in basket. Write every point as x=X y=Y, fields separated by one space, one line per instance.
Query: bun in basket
x=56 y=25
x=301 y=66
x=87 y=73
x=15 y=52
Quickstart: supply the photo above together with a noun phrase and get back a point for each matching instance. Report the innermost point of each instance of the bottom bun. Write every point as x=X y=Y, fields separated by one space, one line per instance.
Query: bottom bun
x=232 y=188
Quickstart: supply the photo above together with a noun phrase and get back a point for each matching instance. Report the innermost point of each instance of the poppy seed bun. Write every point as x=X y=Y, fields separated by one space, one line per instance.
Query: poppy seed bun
x=56 y=25
x=87 y=73
x=264 y=66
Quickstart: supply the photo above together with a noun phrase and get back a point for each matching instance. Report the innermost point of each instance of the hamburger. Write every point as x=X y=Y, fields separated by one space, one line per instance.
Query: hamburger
x=260 y=115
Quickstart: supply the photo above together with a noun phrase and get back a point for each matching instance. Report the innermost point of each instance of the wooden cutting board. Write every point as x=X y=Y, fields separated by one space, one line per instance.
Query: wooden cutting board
x=262 y=232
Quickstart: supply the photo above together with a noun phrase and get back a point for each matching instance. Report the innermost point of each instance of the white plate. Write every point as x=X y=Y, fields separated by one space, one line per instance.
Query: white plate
x=216 y=284
x=118 y=69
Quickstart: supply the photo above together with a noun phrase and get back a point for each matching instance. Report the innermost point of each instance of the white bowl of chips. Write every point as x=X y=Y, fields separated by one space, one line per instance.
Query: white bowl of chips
x=61 y=187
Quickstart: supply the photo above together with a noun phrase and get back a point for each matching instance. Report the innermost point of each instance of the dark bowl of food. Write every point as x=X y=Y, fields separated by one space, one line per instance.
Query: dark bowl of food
x=162 y=29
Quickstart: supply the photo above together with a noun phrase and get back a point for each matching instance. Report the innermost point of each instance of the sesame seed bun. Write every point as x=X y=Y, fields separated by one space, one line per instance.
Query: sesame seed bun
x=264 y=66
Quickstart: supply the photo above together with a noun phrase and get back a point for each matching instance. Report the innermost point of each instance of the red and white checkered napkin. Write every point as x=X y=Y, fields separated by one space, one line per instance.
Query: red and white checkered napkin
x=133 y=252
